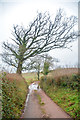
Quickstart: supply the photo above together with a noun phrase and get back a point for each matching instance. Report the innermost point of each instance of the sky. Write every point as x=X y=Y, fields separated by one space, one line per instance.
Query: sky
x=22 y=12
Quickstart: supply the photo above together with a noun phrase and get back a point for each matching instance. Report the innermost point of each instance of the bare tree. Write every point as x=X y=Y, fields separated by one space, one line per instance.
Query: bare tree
x=36 y=63
x=50 y=60
x=42 y=35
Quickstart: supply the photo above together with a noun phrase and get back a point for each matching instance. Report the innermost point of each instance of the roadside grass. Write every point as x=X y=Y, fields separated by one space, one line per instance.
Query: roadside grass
x=63 y=91
x=41 y=104
x=14 y=91
x=65 y=98
x=31 y=77
x=40 y=101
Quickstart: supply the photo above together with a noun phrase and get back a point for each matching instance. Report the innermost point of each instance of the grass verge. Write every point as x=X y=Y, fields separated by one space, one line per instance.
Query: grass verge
x=64 y=91
x=40 y=101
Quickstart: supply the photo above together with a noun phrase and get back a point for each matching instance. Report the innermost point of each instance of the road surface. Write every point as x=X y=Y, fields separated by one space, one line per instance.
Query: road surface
x=33 y=109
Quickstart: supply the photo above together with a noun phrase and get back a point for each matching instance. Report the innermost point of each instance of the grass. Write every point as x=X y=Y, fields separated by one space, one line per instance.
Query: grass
x=65 y=98
x=14 y=91
x=41 y=104
x=63 y=72
x=40 y=101
x=30 y=77
x=62 y=88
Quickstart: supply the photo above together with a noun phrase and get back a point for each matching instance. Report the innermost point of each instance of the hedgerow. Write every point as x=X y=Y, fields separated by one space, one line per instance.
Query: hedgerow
x=14 y=91
x=63 y=90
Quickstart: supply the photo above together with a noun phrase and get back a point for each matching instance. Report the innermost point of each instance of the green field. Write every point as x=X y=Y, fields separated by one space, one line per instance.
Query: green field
x=31 y=77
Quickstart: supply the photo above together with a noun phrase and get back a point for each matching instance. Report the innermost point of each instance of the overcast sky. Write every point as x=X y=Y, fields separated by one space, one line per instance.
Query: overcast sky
x=23 y=12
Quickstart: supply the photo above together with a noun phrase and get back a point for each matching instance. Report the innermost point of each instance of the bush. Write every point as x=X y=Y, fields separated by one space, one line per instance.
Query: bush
x=14 y=92
x=64 y=81
x=63 y=90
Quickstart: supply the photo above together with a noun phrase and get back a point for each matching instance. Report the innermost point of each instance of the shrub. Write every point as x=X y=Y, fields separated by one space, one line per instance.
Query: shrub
x=14 y=92
x=46 y=68
x=63 y=89
x=64 y=81
x=64 y=92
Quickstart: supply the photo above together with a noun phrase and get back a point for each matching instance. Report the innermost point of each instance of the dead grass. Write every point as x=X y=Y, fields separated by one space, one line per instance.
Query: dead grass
x=14 y=76
x=63 y=72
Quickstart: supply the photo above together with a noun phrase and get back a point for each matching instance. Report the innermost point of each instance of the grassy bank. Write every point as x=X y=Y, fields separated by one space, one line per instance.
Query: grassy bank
x=62 y=88
x=14 y=91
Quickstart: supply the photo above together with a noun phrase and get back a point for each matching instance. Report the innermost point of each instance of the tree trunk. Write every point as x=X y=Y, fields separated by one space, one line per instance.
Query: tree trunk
x=38 y=74
x=19 y=68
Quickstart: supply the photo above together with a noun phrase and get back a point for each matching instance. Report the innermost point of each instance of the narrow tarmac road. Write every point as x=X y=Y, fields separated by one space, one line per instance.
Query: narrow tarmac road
x=33 y=108
x=48 y=110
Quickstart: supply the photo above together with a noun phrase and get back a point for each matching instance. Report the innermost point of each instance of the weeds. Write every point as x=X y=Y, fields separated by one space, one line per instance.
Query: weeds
x=40 y=101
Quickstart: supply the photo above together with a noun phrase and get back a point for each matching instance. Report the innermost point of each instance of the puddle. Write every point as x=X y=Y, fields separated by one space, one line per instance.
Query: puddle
x=32 y=87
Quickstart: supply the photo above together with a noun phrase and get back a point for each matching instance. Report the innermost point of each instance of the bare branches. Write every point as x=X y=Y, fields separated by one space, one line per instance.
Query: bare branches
x=42 y=35
x=9 y=59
